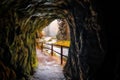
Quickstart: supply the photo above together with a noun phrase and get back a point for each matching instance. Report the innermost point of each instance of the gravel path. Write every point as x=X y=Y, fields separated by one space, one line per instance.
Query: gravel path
x=48 y=68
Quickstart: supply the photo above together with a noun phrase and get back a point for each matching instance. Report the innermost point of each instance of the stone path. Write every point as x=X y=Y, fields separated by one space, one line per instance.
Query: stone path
x=48 y=69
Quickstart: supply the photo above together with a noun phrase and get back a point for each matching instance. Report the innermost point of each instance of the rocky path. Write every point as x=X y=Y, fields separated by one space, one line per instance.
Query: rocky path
x=49 y=68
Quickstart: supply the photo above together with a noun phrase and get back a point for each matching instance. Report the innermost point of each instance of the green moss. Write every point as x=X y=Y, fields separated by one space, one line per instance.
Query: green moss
x=34 y=62
x=34 y=59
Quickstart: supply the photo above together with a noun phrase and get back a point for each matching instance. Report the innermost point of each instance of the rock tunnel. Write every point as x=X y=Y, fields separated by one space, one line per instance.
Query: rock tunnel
x=89 y=55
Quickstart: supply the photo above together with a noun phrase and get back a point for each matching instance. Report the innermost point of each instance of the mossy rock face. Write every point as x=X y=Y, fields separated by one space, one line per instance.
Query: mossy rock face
x=17 y=47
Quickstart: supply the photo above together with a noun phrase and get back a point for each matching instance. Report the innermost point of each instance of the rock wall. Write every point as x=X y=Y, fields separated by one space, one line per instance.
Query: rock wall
x=17 y=47
x=86 y=52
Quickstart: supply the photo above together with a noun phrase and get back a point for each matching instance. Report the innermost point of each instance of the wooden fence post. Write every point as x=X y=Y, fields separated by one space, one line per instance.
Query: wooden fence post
x=61 y=55
x=52 y=49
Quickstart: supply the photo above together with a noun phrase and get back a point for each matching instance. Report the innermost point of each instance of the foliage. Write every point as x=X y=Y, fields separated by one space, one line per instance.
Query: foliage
x=63 y=43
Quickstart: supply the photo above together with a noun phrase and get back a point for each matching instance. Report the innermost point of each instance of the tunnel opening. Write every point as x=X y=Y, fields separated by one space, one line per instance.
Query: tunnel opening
x=52 y=45
x=57 y=34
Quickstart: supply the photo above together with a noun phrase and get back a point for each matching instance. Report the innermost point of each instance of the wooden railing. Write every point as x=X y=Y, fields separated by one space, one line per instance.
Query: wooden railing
x=52 y=50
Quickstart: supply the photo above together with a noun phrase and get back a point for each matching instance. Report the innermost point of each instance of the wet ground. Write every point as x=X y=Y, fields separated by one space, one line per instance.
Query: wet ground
x=49 y=68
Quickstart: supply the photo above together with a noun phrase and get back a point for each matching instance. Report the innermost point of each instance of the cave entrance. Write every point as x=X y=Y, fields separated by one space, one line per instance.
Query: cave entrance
x=19 y=22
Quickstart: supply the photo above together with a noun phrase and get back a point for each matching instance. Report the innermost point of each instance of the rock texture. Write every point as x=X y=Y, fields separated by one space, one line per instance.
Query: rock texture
x=19 y=20
x=17 y=45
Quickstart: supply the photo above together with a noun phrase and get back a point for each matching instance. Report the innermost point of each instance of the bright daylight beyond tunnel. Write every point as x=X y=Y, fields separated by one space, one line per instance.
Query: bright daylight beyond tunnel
x=52 y=45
